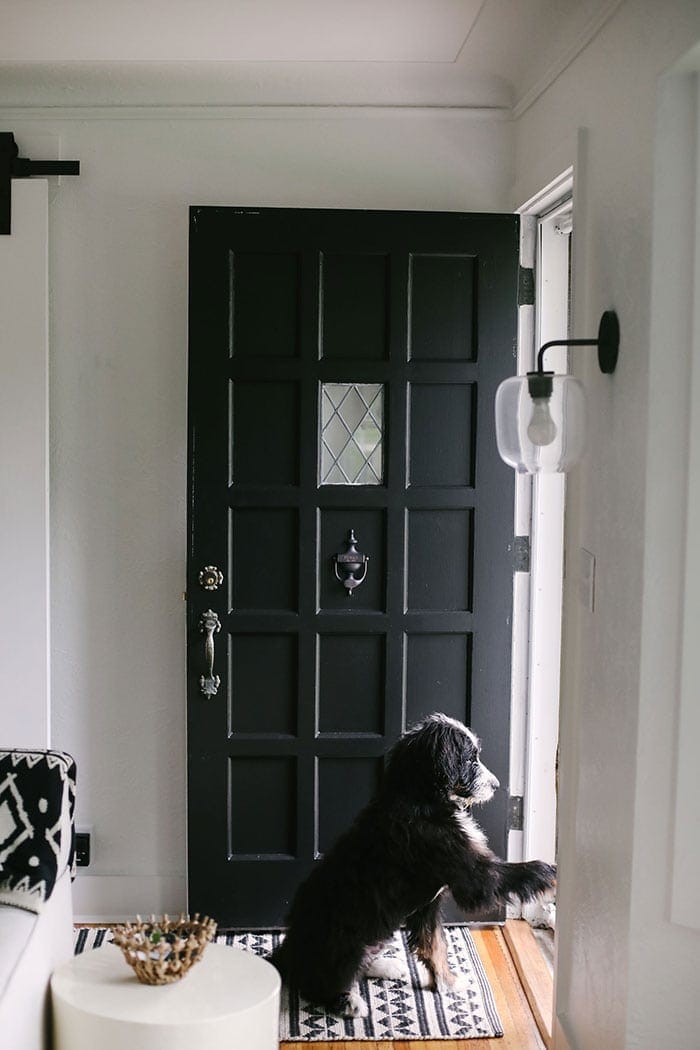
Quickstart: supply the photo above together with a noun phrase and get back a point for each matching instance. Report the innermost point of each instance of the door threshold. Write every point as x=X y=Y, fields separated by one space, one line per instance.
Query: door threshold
x=534 y=973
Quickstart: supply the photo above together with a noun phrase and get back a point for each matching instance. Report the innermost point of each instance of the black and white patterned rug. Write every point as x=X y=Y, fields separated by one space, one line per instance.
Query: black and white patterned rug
x=397 y=1010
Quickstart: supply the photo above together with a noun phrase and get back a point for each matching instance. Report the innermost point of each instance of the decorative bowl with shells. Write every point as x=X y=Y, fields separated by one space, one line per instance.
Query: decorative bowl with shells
x=161 y=951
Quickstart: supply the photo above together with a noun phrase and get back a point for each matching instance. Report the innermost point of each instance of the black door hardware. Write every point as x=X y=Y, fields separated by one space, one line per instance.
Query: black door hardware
x=12 y=166
x=349 y=563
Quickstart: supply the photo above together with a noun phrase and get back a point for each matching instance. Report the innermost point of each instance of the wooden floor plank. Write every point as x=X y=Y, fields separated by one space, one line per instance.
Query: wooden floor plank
x=534 y=974
x=520 y=1030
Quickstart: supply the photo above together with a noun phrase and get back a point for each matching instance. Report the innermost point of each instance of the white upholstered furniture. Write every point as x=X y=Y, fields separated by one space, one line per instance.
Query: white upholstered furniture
x=228 y=1000
x=37 y=793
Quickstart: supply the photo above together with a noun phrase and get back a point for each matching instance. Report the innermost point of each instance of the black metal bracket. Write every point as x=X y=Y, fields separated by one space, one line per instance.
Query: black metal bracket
x=12 y=166
x=608 y=343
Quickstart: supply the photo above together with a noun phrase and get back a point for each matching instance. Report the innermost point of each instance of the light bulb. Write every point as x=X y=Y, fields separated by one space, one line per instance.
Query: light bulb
x=541 y=429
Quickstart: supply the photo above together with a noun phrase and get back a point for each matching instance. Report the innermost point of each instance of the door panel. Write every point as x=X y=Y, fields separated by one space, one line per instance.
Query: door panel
x=443 y=317
x=345 y=785
x=264 y=300
x=343 y=367
x=263 y=675
x=439 y=452
x=265 y=433
x=269 y=827
x=264 y=546
x=355 y=301
x=352 y=673
x=438 y=666
x=440 y=553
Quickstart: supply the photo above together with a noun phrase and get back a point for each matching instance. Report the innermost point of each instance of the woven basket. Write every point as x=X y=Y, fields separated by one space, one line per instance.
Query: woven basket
x=163 y=950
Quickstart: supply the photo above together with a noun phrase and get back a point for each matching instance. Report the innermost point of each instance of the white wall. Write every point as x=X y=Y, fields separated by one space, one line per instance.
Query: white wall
x=118 y=400
x=614 y=804
x=665 y=924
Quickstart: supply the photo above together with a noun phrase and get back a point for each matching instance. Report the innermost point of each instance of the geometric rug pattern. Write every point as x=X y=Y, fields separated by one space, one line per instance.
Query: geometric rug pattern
x=397 y=1009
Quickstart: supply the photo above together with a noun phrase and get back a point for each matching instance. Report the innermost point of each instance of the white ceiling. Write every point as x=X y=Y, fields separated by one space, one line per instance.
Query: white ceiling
x=238 y=30
x=381 y=52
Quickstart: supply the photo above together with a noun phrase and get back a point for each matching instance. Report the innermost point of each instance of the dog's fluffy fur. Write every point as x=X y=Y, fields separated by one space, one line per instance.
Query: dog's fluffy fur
x=415 y=838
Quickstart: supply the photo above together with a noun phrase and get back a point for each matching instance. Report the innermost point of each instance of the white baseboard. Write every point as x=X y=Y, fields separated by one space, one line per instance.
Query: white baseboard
x=116 y=898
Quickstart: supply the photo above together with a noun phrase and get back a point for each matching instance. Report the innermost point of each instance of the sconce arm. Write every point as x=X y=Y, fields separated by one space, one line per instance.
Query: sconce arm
x=562 y=342
x=608 y=343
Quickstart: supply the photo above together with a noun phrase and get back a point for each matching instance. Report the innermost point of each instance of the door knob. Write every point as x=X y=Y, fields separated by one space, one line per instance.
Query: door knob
x=210 y=578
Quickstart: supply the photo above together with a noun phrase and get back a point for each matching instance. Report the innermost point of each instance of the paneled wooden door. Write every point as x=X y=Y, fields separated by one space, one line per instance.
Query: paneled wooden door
x=342 y=373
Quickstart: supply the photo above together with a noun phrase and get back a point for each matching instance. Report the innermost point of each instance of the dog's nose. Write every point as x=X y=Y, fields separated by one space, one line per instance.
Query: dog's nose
x=495 y=782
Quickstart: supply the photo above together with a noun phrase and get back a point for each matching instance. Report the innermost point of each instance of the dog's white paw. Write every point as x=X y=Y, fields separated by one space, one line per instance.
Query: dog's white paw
x=354 y=1005
x=456 y=982
x=387 y=969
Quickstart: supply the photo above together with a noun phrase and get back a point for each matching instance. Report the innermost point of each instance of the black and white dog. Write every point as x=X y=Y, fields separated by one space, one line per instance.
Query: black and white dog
x=415 y=839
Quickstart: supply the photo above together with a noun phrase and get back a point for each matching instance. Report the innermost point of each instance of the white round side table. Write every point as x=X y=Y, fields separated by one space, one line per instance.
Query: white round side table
x=228 y=999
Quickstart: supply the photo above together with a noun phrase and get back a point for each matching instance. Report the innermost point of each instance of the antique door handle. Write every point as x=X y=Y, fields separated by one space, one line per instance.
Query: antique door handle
x=209 y=624
x=349 y=563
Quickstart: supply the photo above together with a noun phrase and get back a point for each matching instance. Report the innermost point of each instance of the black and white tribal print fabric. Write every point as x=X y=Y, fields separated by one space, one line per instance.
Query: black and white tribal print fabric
x=37 y=804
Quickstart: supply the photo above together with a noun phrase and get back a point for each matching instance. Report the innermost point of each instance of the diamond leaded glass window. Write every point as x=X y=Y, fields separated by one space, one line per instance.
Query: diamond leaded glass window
x=352 y=430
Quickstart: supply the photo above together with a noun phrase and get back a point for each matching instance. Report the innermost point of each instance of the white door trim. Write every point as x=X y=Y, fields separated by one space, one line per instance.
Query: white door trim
x=24 y=470
x=540 y=515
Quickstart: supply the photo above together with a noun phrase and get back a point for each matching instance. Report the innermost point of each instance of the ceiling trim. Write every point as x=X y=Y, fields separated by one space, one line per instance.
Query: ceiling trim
x=262 y=112
x=567 y=56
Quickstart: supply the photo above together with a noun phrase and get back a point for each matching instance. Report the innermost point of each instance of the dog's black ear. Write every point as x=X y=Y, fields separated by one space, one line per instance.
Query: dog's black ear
x=425 y=763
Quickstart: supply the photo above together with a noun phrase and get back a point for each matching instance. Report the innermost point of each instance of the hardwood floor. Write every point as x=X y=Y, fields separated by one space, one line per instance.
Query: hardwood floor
x=519 y=1028
x=535 y=975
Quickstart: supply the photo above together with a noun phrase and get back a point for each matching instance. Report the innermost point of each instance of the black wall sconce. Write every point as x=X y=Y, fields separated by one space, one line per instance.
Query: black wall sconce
x=12 y=166
x=541 y=417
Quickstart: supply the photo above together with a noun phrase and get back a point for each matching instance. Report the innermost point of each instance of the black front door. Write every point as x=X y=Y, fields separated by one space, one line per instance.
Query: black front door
x=342 y=373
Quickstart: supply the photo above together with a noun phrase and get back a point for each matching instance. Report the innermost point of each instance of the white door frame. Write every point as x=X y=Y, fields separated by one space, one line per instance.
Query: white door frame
x=25 y=711
x=539 y=514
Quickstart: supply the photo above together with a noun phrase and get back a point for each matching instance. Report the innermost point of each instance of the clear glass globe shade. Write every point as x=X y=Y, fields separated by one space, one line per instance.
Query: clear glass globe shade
x=514 y=414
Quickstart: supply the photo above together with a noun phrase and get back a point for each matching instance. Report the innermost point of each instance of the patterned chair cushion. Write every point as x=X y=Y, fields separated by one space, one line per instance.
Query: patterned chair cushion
x=37 y=841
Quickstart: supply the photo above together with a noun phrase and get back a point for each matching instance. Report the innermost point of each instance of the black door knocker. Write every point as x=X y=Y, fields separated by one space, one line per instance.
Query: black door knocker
x=350 y=563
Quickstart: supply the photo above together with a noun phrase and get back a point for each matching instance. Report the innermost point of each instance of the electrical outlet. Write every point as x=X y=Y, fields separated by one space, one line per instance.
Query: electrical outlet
x=83 y=845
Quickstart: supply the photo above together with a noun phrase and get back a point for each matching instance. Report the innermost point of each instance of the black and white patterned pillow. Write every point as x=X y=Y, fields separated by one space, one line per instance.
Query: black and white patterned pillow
x=37 y=841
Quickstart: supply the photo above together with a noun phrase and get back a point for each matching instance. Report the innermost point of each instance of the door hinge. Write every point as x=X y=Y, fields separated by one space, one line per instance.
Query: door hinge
x=526 y=286
x=515 y=813
x=521 y=554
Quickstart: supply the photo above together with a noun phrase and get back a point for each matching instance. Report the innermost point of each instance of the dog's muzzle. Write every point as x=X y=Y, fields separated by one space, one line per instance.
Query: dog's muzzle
x=484 y=785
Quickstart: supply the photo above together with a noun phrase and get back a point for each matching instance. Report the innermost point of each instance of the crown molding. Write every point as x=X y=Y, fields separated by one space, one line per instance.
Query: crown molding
x=566 y=57
x=161 y=112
